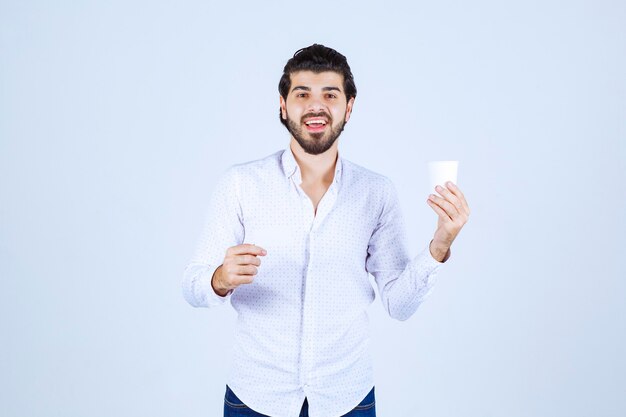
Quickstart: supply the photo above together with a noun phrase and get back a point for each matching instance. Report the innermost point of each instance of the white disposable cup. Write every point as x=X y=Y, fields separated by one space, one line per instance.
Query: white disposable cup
x=439 y=172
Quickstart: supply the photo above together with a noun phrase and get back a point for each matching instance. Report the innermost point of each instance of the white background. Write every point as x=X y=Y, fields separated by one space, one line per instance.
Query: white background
x=117 y=117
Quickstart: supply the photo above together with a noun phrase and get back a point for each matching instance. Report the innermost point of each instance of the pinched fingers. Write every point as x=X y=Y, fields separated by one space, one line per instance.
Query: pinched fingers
x=456 y=191
x=244 y=275
x=247 y=260
x=449 y=210
x=246 y=249
x=452 y=210
x=244 y=270
x=450 y=197
x=241 y=264
x=247 y=274
x=239 y=274
x=440 y=212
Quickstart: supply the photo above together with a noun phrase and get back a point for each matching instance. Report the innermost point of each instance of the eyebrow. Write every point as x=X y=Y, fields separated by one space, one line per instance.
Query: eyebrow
x=302 y=87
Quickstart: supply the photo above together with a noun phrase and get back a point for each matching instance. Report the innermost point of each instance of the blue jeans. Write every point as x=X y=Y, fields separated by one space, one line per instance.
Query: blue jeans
x=234 y=407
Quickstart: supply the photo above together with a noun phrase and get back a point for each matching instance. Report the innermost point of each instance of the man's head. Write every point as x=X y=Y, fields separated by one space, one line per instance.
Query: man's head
x=317 y=92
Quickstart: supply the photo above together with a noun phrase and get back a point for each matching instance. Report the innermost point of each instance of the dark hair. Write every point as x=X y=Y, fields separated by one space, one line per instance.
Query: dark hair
x=317 y=58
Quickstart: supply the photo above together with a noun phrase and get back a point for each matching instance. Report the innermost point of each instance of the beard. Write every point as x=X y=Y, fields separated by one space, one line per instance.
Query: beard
x=319 y=142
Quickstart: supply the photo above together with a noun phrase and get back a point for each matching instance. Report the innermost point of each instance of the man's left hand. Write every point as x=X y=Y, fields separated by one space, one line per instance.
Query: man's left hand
x=453 y=213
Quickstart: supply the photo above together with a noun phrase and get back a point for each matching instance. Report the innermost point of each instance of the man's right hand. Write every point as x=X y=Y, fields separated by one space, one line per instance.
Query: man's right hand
x=239 y=267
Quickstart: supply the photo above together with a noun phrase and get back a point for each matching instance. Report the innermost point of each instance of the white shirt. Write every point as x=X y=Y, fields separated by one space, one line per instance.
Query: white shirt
x=302 y=328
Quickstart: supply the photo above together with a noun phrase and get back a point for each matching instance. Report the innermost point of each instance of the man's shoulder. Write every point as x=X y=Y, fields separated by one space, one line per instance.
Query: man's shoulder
x=366 y=176
x=263 y=162
x=256 y=167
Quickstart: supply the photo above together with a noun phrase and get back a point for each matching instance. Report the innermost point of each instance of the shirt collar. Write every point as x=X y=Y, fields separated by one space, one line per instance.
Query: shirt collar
x=290 y=166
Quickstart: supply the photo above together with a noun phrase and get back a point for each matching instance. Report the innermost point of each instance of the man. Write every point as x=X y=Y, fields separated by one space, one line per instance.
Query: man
x=321 y=223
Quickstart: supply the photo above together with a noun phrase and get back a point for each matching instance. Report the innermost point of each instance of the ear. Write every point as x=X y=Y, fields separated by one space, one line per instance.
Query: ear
x=349 y=108
x=283 y=108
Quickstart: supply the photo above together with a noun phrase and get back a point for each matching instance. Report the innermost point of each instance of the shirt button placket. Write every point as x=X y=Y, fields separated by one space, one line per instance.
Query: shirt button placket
x=307 y=317
x=306 y=359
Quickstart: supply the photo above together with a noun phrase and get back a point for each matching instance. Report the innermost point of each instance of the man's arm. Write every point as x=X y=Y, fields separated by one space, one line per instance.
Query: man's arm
x=403 y=282
x=223 y=228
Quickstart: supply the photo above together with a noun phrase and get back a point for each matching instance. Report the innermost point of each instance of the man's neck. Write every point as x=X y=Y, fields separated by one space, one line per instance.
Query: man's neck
x=315 y=169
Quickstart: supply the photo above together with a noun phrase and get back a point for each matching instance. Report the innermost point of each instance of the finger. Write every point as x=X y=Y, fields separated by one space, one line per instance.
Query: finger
x=244 y=270
x=246 y=275
x=247 y=249
x=244 y=279
x=448 y=195
x=247 y=260
x=448 y=207
x=457 y=191
x=441 y=212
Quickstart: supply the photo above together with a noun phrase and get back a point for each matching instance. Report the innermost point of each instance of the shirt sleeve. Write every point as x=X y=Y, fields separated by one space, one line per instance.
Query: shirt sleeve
x=223 y=228
x=403 y=283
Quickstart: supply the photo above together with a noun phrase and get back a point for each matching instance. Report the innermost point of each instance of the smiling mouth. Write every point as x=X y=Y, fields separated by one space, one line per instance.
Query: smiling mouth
x=316 y=122
x=315 y=125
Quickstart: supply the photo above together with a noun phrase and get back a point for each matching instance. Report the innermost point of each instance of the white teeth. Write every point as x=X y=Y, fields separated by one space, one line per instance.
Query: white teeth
x=316 y=122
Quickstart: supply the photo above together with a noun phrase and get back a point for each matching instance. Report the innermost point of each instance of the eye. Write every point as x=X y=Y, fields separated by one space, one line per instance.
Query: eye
x=301 y=95
x=331 y=95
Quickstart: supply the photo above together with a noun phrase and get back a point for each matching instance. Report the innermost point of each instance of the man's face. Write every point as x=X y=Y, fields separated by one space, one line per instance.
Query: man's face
x=316 y=109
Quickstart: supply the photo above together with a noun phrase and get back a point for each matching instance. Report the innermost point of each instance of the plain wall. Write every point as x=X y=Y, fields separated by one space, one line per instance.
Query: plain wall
x=117 y=117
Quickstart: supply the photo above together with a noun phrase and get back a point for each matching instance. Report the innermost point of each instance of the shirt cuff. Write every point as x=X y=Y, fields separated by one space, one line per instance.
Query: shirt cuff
x=197 y=287
x=425 y=265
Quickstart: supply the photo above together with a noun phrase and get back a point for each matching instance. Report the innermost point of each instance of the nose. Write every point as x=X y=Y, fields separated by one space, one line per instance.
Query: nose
x=316 y=105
